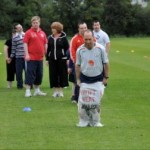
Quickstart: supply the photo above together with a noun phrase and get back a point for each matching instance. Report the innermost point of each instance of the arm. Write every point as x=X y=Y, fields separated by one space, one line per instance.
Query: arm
x=6 y=54
x=107 y=47
x=73 y=50
x=27 y=57
x=77 y=71
x=48 y=51
x=106 y=73
x=107 y=41
x=66 y=45
x=70 y=66
x=46 y=46
x=13 y=49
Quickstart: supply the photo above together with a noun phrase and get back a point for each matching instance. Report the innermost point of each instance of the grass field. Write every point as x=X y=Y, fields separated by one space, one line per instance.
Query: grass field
x=52 y=122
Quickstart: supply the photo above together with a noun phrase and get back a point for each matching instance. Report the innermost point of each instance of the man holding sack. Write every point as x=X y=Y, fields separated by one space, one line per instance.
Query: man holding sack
x=92 y=67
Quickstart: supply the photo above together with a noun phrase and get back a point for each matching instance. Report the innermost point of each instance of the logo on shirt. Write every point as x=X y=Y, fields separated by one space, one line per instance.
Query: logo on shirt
x=33 y=35
x=42 y=35
x=97 y=37
x=91 y=63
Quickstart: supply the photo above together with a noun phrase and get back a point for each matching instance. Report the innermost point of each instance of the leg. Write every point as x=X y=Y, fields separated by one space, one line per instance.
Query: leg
x=19 y=71
x=83 y=116
x=38 y=79
x=30 y=76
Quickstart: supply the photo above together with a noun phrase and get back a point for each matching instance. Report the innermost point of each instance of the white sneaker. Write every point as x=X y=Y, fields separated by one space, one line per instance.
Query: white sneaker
x=74 y=102
x=55 y=94
x=28 y=94
x=60 y=94
x=98 y=125
x=39 y=93
x=82 y=124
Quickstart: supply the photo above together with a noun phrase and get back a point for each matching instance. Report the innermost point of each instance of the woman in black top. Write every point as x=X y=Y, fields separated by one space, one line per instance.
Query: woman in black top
x=57 y=58
x=10 y=64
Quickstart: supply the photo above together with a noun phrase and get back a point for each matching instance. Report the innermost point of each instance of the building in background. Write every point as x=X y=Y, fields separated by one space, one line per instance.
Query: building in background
x=143 y=3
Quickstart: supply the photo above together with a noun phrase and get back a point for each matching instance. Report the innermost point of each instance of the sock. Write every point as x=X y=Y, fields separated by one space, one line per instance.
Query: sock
x=28 y=90
x=37 y=89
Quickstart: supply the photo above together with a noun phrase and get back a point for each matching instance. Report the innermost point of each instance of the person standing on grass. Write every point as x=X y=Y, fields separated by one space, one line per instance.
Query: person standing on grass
x=76 y=41
x=101 y=36
x=35 y=45
x=56 y=56
x=91 y=59
x=18 y=53
x=10 y=65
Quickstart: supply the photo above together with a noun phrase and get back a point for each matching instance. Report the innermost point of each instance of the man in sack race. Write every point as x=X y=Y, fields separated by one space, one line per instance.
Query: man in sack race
x=92 y=68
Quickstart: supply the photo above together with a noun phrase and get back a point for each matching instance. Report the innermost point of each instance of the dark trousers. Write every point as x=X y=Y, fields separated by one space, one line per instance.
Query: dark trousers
x=20 y=66
x=11 y=70
x=76 y=92
x=34 y=72
x=58 y=74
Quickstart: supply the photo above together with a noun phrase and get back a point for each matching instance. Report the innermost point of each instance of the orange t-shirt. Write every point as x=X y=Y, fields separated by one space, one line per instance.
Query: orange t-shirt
x=76 y=41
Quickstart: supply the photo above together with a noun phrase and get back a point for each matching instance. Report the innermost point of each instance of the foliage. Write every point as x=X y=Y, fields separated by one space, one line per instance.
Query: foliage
x=70 y=12
x=116 y=17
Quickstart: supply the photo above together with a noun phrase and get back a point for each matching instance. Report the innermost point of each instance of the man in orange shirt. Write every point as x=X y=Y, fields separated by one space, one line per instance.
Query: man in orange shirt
x=76 y=41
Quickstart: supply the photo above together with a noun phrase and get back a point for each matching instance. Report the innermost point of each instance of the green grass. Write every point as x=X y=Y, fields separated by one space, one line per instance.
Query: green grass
x=52 y=122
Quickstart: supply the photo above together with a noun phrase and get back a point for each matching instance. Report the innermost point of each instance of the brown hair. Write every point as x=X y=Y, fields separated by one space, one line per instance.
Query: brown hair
x=35 y=18
x=58 y=26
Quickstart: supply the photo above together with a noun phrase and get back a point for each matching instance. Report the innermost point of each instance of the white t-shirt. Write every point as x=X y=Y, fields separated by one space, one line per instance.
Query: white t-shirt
x=101 y=37
x=91 y=61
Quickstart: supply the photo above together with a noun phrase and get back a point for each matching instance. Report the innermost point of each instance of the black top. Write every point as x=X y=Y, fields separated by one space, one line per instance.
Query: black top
x=57 y=48
x=9 y=44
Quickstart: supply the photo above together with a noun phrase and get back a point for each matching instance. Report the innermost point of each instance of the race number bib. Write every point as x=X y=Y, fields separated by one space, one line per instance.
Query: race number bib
x=91 y=94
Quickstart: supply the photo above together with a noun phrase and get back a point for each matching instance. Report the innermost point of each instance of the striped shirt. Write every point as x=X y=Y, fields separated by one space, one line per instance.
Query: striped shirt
x=18 y=46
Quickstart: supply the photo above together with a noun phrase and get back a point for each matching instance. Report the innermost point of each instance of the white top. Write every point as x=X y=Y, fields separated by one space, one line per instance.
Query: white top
x=101 y=37
x=91 y=61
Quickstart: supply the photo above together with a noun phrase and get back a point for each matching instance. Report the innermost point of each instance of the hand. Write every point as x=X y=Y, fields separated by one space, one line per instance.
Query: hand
x=8 y=60
x=27 y=57
x=105 y=81
x=78 y=82
x=46 y=62
x=69 y=70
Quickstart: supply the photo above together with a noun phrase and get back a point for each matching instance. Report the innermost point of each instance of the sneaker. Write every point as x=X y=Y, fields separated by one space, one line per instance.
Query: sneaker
x=39 y=93
x=82 y=125
x=55 y=94
x=74 y=102
x=8 y=86
x=98 y=125
x=60 y=94
x=72 y=97
x=28 y=94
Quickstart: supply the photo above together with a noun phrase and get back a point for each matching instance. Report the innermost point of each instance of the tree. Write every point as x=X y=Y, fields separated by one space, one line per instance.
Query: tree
x=116 y=15
x=6 y=19
x=70 y=12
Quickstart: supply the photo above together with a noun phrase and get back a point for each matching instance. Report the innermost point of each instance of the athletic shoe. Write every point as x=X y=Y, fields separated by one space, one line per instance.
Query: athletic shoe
x=39 y=93
x=72 y=97
x=60 y=94
x=74 y=102
x=55 y=94
x=82 y=125
x=28 y=94
x=98 y=125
